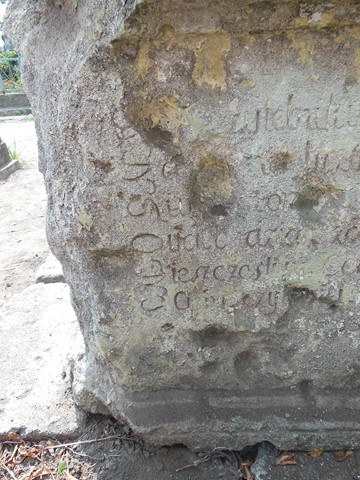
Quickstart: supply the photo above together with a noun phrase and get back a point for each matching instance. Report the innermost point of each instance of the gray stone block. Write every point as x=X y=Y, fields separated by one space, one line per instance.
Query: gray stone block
x=202 y=171
x=8 y=169
x=4 y=155
x=7 y=166
x=14 y=100
x=39 y=340
x=50 y=271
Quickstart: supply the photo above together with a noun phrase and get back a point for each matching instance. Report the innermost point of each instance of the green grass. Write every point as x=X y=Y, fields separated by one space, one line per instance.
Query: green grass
x=13 y=152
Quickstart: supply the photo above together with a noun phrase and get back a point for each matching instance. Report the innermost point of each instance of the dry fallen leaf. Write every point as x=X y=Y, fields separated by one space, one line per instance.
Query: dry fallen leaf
x=341 y=455
x=14 y=437
x=32 y=452
x=28 y=475
x=317 y=452
x=60 y=454
x=44 y=470
x=13 y=455
x=286 y=458
x=33 y=474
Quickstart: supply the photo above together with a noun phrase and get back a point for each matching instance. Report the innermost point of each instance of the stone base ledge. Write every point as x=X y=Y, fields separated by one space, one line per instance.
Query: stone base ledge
x=10 y=168
x=213 y=419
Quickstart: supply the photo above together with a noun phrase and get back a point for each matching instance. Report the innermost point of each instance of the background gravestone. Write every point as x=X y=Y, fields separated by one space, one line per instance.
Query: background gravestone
x=202 y=167
x=7 y=166
x=4 y=154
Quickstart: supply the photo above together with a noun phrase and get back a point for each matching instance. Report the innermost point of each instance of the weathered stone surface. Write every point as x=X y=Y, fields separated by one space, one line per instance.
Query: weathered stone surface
x=202 y=172
x=50 y=271
x=39 y=340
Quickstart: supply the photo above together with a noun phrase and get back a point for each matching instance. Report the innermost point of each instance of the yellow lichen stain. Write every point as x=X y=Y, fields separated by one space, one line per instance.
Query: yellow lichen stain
x=163 y=112
x=143 y=61
x=166 y=37
x=316 y=21
x=209 y=49
x=213 y=177
x=209 y=67
x=305 y=46
x=348 y=33
x=327 y=19
x=300 y=22
x=248 y=38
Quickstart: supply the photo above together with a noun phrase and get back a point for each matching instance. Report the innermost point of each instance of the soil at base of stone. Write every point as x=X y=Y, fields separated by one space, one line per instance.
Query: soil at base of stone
x=22 y=211
x=110 y=451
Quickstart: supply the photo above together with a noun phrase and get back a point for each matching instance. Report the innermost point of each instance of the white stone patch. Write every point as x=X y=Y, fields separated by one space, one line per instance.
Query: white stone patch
x=39 y=338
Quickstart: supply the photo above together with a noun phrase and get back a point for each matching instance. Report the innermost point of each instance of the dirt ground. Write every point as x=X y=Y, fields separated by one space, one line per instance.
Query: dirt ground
x=107 y=450
x=23 y=245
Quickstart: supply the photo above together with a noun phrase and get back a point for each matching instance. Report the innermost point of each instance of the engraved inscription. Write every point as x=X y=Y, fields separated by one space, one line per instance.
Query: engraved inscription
x=326 y=161
x=224 y=273
x=335 y=112
x=349 y=233
x=194 y=251
x=265 y=302
x=155 y=297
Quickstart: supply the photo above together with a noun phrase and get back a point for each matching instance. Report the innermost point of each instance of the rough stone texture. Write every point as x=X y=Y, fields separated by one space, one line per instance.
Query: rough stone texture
x=39 y=340
x=202 y=166
x=50 y=271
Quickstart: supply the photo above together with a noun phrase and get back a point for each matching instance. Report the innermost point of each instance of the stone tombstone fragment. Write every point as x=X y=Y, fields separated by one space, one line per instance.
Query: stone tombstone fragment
x=202 y=163
x=7 y=166
x=4 y=154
